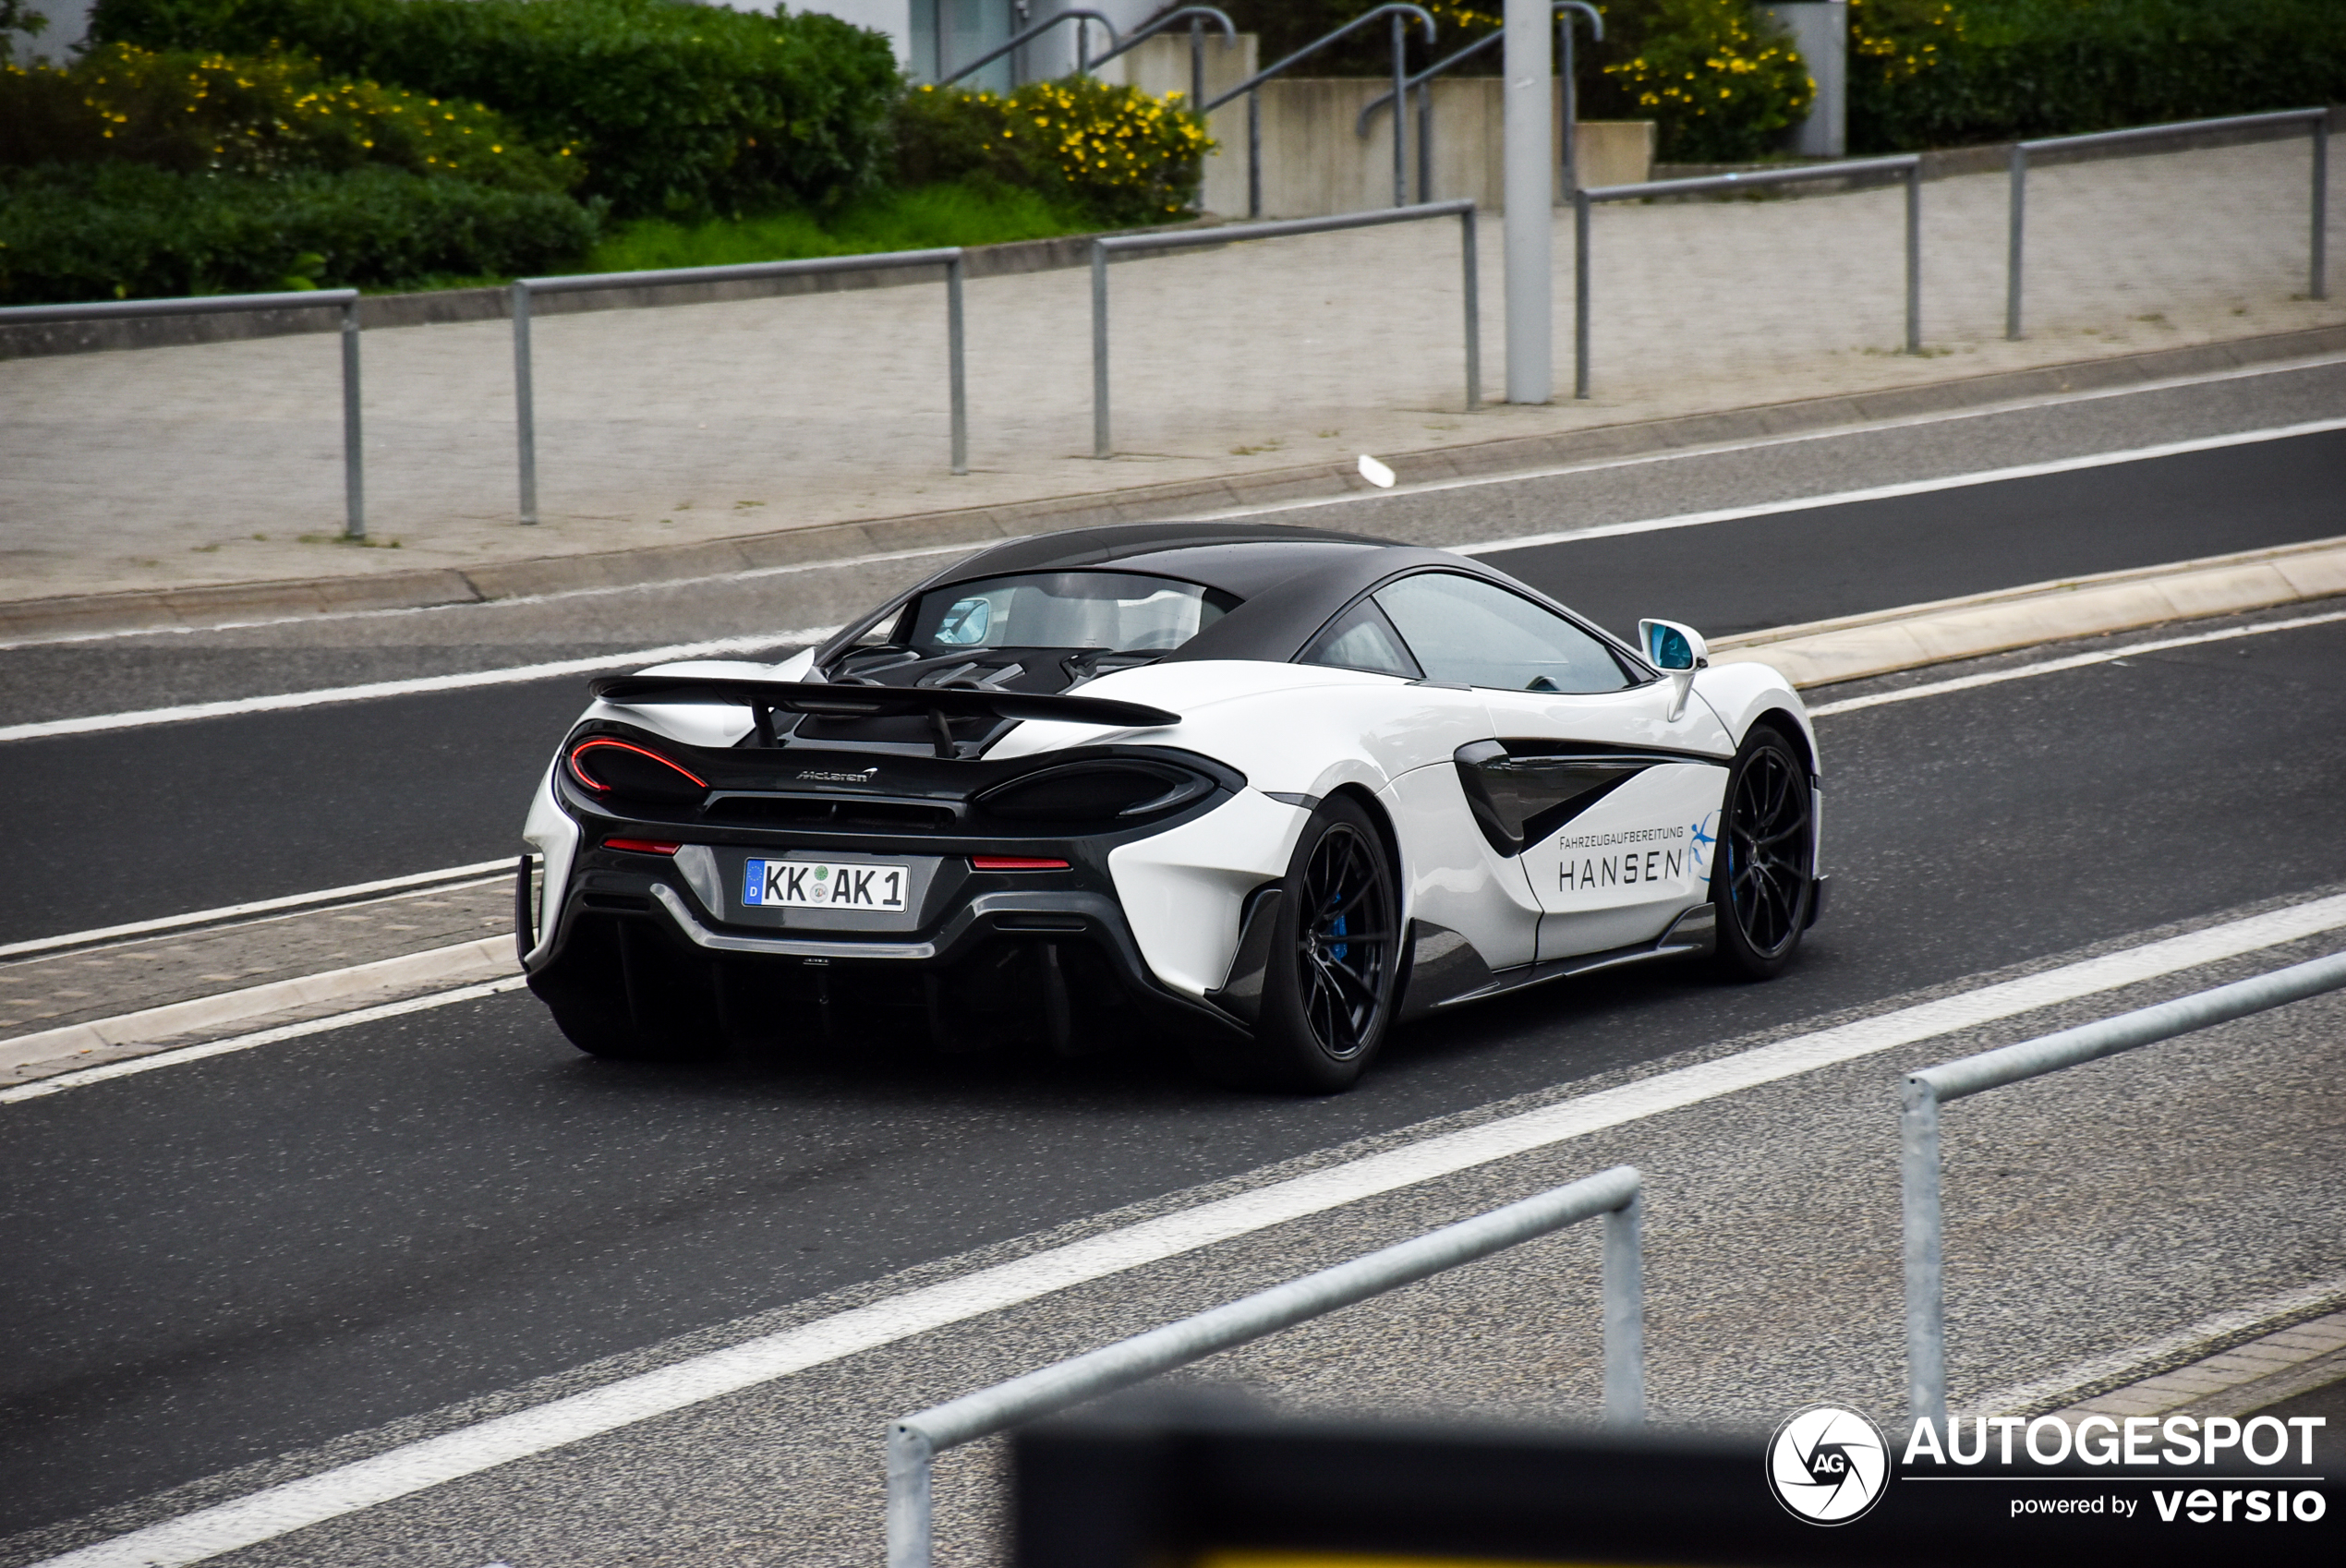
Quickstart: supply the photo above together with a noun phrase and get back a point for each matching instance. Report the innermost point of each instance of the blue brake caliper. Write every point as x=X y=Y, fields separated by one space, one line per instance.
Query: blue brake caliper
x=1341 y=948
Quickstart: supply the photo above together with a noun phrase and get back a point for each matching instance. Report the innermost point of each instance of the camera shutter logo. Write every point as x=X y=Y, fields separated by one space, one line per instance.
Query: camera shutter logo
x=1827 y=1464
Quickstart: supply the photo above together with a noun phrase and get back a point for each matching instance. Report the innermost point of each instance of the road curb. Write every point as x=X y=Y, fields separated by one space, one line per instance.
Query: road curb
x=1853 y=647
x=212 y=605
x=490 y=957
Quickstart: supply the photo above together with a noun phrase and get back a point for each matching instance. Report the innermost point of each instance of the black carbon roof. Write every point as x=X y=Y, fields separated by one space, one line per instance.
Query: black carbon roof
x=1290 y=580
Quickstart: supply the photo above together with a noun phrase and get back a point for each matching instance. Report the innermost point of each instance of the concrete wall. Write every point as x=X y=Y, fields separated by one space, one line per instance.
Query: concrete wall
x=1314 y=164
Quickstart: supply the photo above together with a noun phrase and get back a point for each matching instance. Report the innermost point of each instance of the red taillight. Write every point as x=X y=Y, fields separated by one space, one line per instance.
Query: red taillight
x=642 y=846
x=1014 y=863
x=632 y=775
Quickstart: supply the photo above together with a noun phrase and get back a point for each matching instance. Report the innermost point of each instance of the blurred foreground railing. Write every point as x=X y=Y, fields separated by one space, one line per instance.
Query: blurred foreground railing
x=915 y=1440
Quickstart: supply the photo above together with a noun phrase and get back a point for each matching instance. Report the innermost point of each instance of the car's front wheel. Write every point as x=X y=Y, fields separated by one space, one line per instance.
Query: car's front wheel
x=1766 y=858
x=1327 y=991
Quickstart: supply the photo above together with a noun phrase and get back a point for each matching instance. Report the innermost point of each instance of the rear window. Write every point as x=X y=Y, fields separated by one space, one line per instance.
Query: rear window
x=1114 y=611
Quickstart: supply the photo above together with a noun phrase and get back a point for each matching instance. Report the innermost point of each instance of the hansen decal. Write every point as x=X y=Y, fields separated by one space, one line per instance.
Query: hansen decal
x=1628 y=866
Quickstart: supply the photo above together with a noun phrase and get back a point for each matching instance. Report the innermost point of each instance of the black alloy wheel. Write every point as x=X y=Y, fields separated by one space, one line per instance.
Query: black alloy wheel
x=1762 y=880
x=1329 y=990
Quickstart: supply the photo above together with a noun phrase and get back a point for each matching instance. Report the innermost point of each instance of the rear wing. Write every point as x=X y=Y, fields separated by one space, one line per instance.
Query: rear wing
x=940 y=704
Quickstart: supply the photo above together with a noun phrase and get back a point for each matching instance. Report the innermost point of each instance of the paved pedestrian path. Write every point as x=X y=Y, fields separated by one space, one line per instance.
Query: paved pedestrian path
x=221 y=463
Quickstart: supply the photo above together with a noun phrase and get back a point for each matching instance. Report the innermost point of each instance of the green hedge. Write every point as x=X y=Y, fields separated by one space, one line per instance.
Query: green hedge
x=674 y=107
x=1999 y=70
x=106 y=231
x=190 y=112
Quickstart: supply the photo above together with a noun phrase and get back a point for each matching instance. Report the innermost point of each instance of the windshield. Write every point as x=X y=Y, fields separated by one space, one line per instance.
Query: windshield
x=1113 y=612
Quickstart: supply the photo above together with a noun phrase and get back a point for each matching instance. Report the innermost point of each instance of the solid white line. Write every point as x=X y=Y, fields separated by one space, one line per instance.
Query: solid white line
x=2073 y=661
x=262 y=906
x=1761 y=443
x=414 y=1467
x=111 y=1070
x=878 y=558
x=1889 y=492
x=510 y=676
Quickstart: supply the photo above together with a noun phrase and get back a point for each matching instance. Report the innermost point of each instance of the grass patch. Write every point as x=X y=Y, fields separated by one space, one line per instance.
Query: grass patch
x=918 y=219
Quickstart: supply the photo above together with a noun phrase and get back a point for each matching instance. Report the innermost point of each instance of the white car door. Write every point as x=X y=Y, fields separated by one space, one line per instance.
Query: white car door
x=1599 y=781
x=1459 y=885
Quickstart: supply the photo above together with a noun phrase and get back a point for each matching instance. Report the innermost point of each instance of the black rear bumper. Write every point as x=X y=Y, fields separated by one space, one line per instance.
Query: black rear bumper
x=999 y=964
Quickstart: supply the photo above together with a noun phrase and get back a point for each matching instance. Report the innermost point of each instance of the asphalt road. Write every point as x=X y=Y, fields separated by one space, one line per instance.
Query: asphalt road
x=239 y=1257
x=130 y=825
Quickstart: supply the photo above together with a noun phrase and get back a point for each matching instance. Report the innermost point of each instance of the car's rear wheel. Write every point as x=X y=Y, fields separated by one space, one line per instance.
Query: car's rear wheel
x=1328 y=991
x=1762 y=879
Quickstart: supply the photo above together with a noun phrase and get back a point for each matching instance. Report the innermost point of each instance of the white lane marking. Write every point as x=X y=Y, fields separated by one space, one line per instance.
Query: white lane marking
x=1890 y=492
x=512 y=675
x=416 y=1467
x=262 y=906
x=107 y=1072
x=878 y=558
x=1761 y=443
x=2073 y=661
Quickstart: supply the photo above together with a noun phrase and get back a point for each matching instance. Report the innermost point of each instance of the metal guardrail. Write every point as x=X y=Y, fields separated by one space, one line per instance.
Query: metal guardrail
x=1102 y=248
x=353 y=473
x=1197 y=16
x=1421 y=84
x=1926 y=1091
x=1907 y=166
x=1083 y=21
x=1400 y=14
x=2315 y=120
x=525 y=408
x=915 y=1440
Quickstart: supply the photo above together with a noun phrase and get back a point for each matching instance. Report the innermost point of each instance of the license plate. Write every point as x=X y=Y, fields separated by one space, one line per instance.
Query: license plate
x=823 y=884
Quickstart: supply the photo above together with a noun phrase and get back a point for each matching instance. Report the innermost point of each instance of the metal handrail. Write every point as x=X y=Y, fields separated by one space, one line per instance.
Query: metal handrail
x=2315 y=121
x=354 y=474
x=1197 y=15
x=1083 y=39
x=524 y=392
x=1925 y=1092
x=914 y=1442
x=1399 y=11
x=1907 y=166
x=1463 y=209
x=1564 y=10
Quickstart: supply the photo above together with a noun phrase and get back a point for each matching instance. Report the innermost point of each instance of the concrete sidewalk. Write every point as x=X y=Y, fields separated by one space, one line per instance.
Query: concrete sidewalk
x=1261 y=368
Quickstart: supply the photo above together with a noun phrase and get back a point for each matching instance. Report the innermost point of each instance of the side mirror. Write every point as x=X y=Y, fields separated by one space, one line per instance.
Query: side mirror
x=1670 y=647
x=1677 y=651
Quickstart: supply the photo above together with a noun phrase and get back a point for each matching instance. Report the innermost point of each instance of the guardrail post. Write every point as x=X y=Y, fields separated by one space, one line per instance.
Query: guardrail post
x=1101 y=445
x=1913 y=258
x=1470 y=266
x=1625 y=1313
x=1925 y=1306
x=354 y=471
x=957 y=385
x=2018 y=181
x=909 y=1509
x=524 y=415
x=1579 y=292
x=1197 y=65
x=1425 y=141
x=2319 y=287
x=1254 y=153
x=1400 y=112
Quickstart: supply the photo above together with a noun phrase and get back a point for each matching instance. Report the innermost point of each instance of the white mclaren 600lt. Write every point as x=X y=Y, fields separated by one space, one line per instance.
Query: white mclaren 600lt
x=1260 y=793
